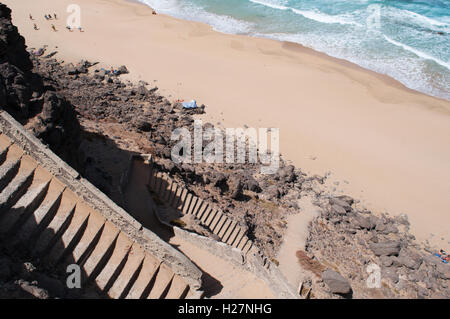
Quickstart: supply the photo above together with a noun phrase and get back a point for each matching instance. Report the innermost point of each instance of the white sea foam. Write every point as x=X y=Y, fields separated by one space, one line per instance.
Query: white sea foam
x=315 y=15
x=324 y=18
x=270 y=5
x=415 y=68
x=417 y=52
x=186 y=11
x=426 y=20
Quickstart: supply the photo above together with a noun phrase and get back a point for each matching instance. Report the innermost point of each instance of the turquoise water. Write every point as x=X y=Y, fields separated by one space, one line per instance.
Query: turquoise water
x=406 y=39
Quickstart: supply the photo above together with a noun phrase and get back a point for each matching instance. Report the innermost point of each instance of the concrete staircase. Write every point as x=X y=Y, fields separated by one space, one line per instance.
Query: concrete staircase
x=149 y=193
x=40 y=214
x=186 y=203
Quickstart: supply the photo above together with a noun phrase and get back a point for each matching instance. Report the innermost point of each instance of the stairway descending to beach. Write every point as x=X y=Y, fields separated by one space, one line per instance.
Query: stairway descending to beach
x=185 y=203
x=233 y=266
x=41 y=215
x=224 y=279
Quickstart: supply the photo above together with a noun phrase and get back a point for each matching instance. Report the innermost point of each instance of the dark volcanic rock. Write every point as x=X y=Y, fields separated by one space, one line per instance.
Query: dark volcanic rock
x=341 y=203
x=287 y=174
x=338 y=210
x=336 y=283
x=390 y=248
x=365 y=222
x=409 y=260
x=12 y=44
x=272 y=192
x=32 y=101
x=235 y=187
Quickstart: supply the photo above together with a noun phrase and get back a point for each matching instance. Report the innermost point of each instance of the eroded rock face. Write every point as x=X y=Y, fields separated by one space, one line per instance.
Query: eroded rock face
x=12 y=44
x=336 y=282
x=30 y=99
x=390 y=248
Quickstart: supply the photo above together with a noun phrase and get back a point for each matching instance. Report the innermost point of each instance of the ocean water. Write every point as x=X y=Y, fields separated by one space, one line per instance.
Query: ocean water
x=408 y=40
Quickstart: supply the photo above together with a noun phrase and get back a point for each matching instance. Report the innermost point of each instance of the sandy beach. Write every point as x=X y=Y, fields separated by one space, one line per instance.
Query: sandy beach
x=383 y=143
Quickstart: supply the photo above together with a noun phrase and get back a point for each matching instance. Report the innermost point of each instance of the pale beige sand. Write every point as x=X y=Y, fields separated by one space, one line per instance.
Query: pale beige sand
x=295 y=239
x=391 y=144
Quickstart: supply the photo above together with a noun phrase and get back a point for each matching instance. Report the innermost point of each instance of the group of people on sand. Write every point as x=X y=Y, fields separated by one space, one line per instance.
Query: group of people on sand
x=47 y=17
x=54 y=17
x=71 y=29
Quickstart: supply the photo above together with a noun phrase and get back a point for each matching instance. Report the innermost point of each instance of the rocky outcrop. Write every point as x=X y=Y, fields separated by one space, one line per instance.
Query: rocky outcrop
x=336 y=283
x=31 y=99
x=390 y=248
x=356 y=242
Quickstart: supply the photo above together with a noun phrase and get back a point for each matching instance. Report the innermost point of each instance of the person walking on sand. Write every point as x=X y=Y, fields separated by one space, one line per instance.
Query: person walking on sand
x=54 y=28
x=54 y=14
x=35 y=26
x=31 y=17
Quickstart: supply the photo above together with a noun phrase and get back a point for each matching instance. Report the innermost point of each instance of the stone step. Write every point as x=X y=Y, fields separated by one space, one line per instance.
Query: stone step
x=219 y=224
x=162 y=282
x=89 y=238
x=5 y=142
x=237 y=239
x=178 y=288
x=212 y=215
x=10 y=165
x=207 y=213
x=115 y=263
x=18 y=185
x=41 y=217
x=186 y=203
x=177 y=198
x=3 y=153
x=158 y=182
x=229 y=231
x=213 y=223
x=146 y=279
x=8 y=171
x=193 y=204
x=128 y=274
x=247 y=246
x=182 y=199
x=70 y=237
x=200 y=209
x=165 y=189
x=242 y=243
x=232 y=236
x=172 y=193
x=224 y=228
x=58 y=224
x=102 y=251
x=23 y=208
